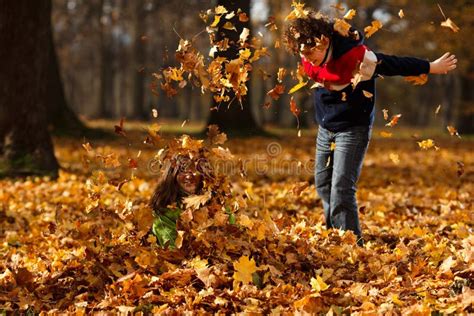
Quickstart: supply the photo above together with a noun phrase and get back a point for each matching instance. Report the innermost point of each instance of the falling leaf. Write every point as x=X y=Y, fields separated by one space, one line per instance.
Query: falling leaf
x=215 y=136
x=245 y=53
x=244 y=268
x=244 y=35
x=132 y=163
x=371 y=29
x=229 y=16
x=217 y=19
x=281 y=74
x=154 y=112
x=342 y=27
x=401 y=14
x=417 y=80
x=184 y=123
x=394 y=120
x=338 y=7
x=437 y=109
x=350 y=14
x=328 y=162
x=460 y=170
x=220 y=10
x=87 y=147
x=426 y=144
x=297 y=87
x=367 y=94
x=299 y=133
x=294 y=108
x=356 y=79
x=229 y=26
x=385 y=114
x=119 y=128
x=243 y=17
x=453 y=131
x=298 y=12
x=450 y=24
x=276 y=92
x=271 y=25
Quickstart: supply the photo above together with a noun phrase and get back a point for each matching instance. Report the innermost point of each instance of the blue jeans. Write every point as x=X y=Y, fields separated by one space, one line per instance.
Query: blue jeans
x=336 y=175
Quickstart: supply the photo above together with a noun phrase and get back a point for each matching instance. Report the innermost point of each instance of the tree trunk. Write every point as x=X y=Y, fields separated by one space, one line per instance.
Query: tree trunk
x=106 y=93
x=139 y=60
x=25 y=33
x=465 y=121
x=234 y=118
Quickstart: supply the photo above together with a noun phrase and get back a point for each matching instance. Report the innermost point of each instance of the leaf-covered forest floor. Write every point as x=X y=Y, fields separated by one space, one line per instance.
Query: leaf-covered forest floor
x=73 y=245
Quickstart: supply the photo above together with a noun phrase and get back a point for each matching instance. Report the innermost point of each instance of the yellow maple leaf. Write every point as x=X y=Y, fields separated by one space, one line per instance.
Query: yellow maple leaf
x=374 y=27
x=244 y=269
x=220 y=9
x=298 y=86
x=298 y=12
x=342 y=27
x=245 y=54
x=350 y=14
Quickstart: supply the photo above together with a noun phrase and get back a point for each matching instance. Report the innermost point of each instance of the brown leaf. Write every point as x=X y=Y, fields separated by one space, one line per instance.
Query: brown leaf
x=276 y=92
x=450 y=24
x=294 y=108
x=394 y=120
x=119 y=128
x=417 y=80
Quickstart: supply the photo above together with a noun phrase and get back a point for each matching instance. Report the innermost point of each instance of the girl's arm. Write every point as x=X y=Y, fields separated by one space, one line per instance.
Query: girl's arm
x=389 y=65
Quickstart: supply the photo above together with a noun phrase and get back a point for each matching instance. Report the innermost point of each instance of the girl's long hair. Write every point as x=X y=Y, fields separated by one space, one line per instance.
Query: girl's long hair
x=167 y=189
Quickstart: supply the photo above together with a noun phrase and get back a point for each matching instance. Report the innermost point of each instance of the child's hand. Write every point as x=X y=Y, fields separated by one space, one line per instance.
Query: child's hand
x=442 y=65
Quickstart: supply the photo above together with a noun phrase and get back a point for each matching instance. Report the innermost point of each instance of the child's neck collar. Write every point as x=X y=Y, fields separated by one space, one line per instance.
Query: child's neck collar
x=328 y=55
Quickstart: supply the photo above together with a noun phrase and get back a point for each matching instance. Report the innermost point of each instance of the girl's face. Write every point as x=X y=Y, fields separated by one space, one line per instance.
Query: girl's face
x=315 y=54
x=189 y=180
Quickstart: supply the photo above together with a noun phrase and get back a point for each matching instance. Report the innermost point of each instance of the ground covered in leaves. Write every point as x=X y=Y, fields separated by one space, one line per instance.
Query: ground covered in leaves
x=82 y=242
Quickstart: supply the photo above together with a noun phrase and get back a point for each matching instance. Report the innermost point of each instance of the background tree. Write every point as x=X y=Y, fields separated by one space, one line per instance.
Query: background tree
x=234 y=117
x=25 y=143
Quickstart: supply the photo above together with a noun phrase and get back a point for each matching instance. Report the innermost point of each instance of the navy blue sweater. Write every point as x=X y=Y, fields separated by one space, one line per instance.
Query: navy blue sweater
x=337 y=104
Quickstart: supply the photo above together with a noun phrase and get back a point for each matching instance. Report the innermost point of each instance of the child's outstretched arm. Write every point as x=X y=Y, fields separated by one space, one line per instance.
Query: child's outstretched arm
x=388 y=65
x=442 y=65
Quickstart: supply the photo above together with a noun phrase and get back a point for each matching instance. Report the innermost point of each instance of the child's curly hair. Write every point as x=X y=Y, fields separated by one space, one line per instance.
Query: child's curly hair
x=307 y=31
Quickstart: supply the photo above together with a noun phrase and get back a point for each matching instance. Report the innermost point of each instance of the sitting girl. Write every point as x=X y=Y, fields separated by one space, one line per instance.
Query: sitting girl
x=180 y=177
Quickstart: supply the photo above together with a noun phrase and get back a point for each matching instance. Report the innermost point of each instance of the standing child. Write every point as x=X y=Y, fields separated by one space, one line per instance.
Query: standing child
x=344 y=105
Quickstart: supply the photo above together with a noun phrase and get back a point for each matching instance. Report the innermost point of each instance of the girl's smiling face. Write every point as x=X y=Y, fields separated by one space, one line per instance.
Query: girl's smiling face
x=315 y=54
x=189 y=181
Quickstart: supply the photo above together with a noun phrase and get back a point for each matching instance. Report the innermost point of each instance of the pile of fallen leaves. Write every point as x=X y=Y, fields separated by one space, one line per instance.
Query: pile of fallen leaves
x=82 y=243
